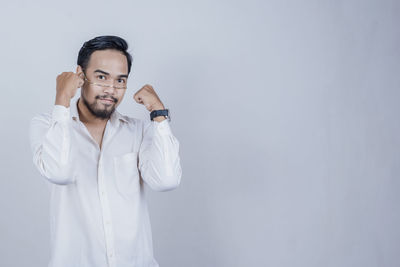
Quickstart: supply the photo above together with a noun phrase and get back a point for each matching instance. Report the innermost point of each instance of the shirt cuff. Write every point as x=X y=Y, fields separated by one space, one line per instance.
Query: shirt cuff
x=60 y=113
x=162 y=127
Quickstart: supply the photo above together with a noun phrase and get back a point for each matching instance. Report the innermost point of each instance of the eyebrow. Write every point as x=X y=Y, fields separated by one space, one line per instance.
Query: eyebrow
x=106 y=73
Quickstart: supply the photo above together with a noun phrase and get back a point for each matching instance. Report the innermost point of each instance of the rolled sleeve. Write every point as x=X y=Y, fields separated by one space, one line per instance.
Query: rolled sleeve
x=162 y=127
x=60 y=113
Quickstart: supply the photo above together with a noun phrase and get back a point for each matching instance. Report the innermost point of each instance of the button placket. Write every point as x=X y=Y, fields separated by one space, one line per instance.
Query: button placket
x=106 y=214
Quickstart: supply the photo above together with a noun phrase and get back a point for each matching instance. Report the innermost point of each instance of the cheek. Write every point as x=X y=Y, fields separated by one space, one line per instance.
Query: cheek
x=90 y=93
x=120 y=96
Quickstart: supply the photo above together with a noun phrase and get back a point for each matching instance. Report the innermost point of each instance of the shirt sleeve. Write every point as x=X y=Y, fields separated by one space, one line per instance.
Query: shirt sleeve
x=159 y=161
x=50 y=140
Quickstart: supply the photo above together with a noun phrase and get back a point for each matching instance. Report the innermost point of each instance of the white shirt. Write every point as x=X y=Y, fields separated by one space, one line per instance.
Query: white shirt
x=98 y=210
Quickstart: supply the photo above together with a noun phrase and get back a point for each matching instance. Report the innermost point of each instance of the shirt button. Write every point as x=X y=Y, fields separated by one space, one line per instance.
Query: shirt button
x=102 y=192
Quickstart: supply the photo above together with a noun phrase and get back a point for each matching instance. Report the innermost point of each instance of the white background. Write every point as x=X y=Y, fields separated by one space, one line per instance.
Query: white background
x=287 y=113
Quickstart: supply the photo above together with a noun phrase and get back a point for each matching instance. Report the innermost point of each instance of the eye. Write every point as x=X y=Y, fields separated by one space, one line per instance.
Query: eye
x=121 y=80
x=98 y=76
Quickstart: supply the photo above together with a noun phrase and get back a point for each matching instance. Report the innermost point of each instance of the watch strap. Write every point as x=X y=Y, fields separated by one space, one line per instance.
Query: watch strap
x=160 y=112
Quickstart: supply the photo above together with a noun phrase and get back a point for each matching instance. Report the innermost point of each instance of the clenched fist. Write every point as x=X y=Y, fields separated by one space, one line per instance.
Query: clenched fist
x=67 y=85
x=148 y=97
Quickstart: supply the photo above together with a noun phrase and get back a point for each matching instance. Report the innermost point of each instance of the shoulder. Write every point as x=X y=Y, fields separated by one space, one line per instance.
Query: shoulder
x=131 y=121
x=134 y=123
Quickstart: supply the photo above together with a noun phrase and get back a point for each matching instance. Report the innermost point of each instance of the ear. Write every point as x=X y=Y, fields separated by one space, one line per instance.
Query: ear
x=79 y=71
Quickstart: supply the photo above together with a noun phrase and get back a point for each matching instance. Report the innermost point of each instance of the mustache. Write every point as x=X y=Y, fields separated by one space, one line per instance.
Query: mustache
x=108 y=97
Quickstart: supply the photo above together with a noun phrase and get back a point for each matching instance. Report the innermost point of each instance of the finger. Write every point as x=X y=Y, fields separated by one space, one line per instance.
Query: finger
x=79 y=74
x=138 y=98
x=80 y=82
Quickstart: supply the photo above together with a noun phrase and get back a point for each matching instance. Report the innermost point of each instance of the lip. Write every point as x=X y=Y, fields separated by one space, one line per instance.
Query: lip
x=107 y=101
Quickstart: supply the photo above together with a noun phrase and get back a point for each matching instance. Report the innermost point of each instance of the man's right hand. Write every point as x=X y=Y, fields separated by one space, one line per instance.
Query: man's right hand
x=67 y=85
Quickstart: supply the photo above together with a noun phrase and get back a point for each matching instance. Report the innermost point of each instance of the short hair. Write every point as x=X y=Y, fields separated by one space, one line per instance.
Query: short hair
x=102 y=43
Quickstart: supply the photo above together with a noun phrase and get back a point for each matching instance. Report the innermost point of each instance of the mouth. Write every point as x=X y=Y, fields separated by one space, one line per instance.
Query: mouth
x=107 y=101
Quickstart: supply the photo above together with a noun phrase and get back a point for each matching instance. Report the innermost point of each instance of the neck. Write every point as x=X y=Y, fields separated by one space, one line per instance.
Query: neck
x=87 y=117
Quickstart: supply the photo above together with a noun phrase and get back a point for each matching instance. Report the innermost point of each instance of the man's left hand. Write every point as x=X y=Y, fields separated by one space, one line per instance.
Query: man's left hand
x=148 y=97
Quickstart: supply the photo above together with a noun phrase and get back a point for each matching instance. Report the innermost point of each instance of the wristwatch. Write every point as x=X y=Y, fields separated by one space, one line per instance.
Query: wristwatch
x=160 y=112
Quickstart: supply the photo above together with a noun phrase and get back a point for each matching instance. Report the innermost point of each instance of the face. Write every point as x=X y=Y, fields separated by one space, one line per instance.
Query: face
x=105 y=67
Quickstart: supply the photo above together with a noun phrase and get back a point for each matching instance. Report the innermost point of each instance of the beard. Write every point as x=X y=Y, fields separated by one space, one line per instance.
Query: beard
x=98 y=109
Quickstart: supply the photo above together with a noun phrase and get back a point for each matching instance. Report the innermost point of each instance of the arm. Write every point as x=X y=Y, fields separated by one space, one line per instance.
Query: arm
x=159 y=161
x=50 y=140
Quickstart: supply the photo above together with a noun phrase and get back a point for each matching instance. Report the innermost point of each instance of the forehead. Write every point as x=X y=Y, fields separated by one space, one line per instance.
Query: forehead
x=111 y=61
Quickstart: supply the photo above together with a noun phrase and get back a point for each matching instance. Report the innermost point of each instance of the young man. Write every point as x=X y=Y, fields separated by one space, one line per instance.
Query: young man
x=97 y=161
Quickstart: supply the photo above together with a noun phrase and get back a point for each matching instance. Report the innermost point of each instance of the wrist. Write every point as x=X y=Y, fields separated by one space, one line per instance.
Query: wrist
x=158 y=107
x=159 y=118
x=63 y=100
x=160 y=115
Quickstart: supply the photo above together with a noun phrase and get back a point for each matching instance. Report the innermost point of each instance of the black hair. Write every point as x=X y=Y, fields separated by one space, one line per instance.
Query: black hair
x=102 y=43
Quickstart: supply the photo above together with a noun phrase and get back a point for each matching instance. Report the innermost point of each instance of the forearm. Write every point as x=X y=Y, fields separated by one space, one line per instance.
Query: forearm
x=159 y=118
x=159 y=160
x=51 y=143
x=62 y=100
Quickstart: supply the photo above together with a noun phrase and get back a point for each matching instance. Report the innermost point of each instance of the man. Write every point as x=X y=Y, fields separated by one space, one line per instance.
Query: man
x=97 y=161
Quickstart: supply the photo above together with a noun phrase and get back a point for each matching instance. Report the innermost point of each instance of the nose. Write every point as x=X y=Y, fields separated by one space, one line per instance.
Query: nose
x=110 y=90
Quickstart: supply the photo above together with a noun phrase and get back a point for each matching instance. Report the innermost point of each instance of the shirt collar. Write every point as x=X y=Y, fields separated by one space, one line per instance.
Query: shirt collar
x=115 y=118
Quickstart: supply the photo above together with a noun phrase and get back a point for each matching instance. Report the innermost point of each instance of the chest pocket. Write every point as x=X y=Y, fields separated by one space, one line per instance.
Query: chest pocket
x=127 y=174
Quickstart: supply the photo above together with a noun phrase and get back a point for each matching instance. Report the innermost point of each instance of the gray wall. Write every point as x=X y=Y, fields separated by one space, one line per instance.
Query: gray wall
x=286 y=111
